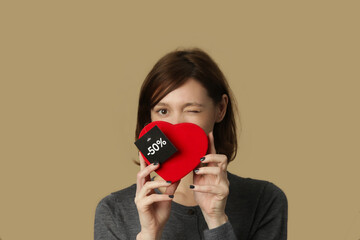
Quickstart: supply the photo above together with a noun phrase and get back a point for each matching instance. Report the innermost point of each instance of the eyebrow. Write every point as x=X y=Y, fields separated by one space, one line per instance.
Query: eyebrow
x=185 y=105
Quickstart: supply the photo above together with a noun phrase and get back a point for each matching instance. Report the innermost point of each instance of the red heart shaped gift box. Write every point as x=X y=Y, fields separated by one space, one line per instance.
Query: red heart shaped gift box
x=191 y=142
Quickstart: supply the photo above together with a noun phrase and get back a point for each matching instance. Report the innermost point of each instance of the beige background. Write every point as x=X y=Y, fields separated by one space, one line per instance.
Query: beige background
x=70 y=78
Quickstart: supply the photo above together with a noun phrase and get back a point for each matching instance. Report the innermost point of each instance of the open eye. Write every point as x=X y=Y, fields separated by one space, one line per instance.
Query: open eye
x=162 y=111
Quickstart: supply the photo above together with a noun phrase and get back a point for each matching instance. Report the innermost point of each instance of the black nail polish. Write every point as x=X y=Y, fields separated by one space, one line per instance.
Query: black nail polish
x=192 y=186
x=171 y=196
x=156 y=163
x=202 y=159
x=168 y=181
x=196 y=170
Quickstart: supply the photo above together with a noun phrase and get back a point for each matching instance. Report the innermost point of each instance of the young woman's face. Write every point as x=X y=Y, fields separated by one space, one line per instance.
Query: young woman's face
x=190 y=103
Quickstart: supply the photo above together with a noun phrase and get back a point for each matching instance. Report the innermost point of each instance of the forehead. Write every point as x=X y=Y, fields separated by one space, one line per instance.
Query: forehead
x=190 y=92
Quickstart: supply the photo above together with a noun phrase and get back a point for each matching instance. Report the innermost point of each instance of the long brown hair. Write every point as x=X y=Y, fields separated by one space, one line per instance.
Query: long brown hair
x=173 y=70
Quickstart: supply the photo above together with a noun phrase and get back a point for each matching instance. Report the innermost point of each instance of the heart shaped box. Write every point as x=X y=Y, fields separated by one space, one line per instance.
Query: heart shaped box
x=191 y=142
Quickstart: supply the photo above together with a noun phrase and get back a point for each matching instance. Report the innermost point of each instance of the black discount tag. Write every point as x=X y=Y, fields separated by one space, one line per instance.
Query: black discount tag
x=155 y=146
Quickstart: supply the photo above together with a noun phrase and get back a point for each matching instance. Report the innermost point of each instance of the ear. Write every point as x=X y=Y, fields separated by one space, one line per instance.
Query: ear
x=221 y=108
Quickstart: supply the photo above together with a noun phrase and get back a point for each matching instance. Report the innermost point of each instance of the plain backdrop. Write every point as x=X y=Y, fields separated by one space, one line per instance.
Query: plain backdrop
x=70 y=78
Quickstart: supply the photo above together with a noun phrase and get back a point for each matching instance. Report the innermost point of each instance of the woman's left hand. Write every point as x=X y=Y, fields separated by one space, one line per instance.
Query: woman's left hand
x=211 y=186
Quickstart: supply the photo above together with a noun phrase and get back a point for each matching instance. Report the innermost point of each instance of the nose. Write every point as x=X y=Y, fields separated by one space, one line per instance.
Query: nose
x=176 y=118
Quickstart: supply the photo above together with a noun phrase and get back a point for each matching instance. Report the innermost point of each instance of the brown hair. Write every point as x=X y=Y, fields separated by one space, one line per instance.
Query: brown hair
x=173 y=70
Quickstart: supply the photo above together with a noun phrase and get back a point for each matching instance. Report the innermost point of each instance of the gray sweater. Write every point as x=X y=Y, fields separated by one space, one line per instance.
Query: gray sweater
x=256 y=210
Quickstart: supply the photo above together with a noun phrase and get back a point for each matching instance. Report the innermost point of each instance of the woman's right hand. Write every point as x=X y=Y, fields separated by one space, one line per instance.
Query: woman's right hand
x=153 y=208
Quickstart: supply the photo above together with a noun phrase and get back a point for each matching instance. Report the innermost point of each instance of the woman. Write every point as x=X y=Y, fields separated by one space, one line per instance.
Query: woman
x=209 y=202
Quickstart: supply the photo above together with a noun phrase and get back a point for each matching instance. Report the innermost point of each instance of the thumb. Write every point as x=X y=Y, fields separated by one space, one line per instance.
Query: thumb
x=142 y=161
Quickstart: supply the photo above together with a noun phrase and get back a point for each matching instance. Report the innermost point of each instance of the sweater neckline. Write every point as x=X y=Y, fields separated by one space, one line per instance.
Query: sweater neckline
x=182 y=209
x=185 y=210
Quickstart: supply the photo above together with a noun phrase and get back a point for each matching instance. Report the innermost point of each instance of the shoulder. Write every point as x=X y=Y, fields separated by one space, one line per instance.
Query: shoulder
x=259 y=205
x=116 y=216
x=124 y=194
x=124 y=197
x=255 y=190
x=256 y=203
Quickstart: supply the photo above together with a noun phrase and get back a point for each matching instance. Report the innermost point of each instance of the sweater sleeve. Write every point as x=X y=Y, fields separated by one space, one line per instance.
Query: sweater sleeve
x=105 y=227
x=272 y=213
x=224 y=231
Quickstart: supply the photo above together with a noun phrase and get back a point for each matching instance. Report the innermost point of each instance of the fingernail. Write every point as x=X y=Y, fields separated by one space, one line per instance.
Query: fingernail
x=202 y=159
x=168 y=181
x=156 y=163
x=196 y=170
x=171 y=196
x=192 y=186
